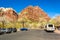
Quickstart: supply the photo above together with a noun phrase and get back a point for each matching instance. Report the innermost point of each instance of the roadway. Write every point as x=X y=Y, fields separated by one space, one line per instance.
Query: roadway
x=30 y=35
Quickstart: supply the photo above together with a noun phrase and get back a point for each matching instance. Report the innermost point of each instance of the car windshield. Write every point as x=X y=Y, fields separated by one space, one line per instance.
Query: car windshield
x=50 y=25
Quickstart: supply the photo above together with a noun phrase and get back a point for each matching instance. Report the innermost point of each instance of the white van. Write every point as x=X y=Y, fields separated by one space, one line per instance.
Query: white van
x=49 y=27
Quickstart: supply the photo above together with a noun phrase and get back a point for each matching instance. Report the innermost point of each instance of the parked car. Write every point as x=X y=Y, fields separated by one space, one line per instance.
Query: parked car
x=6 y=30
x=14 y=29
x=49 y=28
x=1 y=32
x=24 y=29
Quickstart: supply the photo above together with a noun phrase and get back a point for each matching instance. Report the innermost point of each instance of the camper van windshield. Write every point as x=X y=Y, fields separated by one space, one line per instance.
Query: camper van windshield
x=50 y=25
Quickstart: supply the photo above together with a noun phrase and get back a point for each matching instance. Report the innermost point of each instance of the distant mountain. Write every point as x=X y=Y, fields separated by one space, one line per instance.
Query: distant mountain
x=31 y=13
x=9 y=14
x=34 y=14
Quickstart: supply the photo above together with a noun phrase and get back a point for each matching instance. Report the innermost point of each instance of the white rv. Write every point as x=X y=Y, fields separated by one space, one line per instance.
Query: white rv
x=49 y=27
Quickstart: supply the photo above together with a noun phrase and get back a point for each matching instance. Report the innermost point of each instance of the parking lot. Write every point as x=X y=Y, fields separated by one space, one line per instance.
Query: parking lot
x=30 y=35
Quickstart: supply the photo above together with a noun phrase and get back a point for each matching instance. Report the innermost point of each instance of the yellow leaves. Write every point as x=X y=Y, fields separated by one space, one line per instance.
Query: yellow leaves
x=0 y=24
x=8 y=25
x=52 y=21
x=18 y=25
x=55 y=21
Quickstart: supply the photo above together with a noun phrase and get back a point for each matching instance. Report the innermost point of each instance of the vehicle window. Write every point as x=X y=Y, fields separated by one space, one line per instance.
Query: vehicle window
x=50 y=25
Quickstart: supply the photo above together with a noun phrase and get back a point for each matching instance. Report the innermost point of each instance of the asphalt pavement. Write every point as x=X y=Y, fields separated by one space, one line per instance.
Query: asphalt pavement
x=30 y=35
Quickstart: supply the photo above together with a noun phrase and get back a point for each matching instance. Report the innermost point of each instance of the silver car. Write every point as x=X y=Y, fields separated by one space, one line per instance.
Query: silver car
x=6 y=30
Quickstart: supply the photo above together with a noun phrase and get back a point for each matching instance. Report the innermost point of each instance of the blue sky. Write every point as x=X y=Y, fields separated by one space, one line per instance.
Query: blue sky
x=51 y=7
